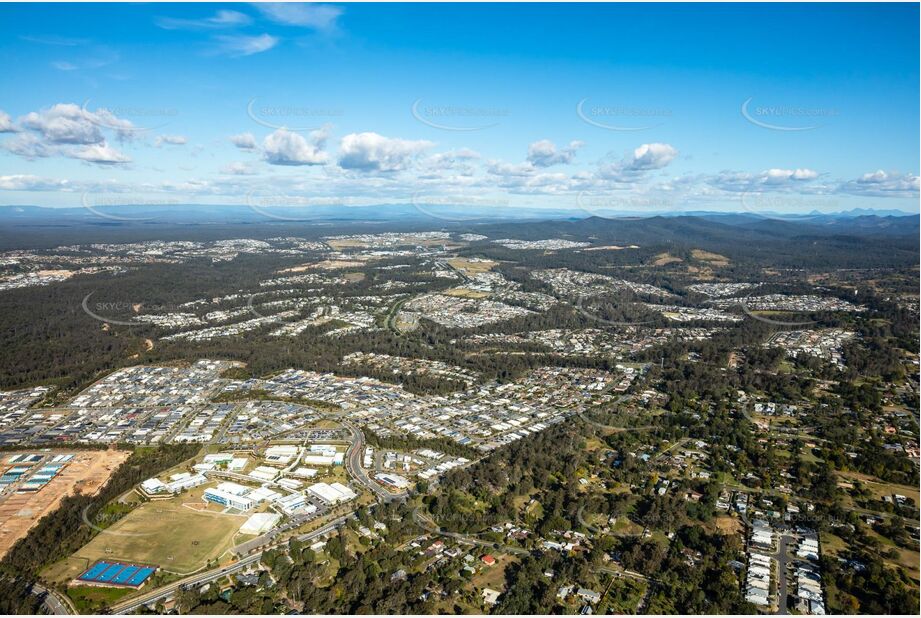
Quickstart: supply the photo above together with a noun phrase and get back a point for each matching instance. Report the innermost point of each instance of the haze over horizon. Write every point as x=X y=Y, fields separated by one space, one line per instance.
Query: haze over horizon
x=489 y=107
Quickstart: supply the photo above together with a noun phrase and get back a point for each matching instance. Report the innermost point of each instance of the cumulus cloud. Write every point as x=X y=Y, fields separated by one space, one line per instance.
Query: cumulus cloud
x=544 y=153
x=244 y=141
x=781 y=176
x=652 y=156
x=634 y=166
x=883 y=184
x=371 y=152
x=285 y=147
x=68 y=130
x=64 y=123
x=68 y=123
x=310 y=15
x=171 y=140
x=29 y=147
x=102 y=154
x=244 y=45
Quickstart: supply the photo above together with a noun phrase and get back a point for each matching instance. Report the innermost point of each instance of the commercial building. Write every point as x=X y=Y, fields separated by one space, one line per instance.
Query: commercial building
x=305 y=472
x=334 y=493
x=260 y=523
x=393 y=480
x=293 y=503
x=263 y=494
x=179 y=482
x=319 y=460
x=280 y=454
x=225 y=498
x=264 y=473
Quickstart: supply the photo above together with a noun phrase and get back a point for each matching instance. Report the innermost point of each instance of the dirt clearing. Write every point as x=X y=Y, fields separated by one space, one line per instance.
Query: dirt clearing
x=87 y=472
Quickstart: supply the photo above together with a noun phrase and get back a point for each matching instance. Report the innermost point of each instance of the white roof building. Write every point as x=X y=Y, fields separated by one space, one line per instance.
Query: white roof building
x=334 y=493
x=260 y=523
x=264 y=473
x=154 y=486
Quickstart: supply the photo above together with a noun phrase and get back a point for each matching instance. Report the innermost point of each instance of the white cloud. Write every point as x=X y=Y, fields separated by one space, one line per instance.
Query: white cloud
x=238 y=168
x=781 y=176
x=28 y=146
x=774 y=179
x=636 y=165
x=171 y=140
x=92 y=57
x=54 y=40
x=243 y=45
x=454 y=156
x=102 y=154
x=883 y=184
x=285 y=147
x=244 y=141
x=311 y=15
x=26 y=182
x=64 y=123
x=500 y=168
x=221 y=19
x=372 y=152
x=652 y=156
x=544 y=153
x=68 y=123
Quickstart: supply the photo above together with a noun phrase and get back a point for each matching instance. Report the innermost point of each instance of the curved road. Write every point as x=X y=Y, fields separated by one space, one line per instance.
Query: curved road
x=353 y=458
x=427 y=524
x=54 y=602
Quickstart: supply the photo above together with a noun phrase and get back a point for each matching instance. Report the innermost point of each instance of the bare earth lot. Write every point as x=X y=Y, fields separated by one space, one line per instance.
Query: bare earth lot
x=86 y=473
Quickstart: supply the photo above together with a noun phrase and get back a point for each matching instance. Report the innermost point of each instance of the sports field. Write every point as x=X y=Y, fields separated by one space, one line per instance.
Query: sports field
x=174 y=537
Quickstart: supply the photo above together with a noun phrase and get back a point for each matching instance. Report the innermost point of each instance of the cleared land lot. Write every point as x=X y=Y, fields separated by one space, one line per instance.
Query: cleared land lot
x=86 y=473
x=472 y=267
x=177 y=538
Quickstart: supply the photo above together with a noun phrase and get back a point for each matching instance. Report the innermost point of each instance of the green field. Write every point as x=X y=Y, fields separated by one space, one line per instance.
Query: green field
x=166 y=534
x=88 y=599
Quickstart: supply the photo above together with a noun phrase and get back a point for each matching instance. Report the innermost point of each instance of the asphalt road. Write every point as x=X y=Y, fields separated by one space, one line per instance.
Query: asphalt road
x=427 y=524
x=353 y=459
x=53 y=602
x=782 y=575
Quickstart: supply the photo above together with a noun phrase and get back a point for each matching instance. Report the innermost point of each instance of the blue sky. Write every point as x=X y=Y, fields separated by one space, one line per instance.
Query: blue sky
x=788 y=108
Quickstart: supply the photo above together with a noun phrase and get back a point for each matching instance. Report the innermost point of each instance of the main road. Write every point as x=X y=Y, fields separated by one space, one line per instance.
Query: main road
x=53 y=601
x=353 y=457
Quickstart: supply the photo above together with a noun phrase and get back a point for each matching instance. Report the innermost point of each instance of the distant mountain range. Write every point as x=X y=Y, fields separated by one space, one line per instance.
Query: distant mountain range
x=440 y=214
